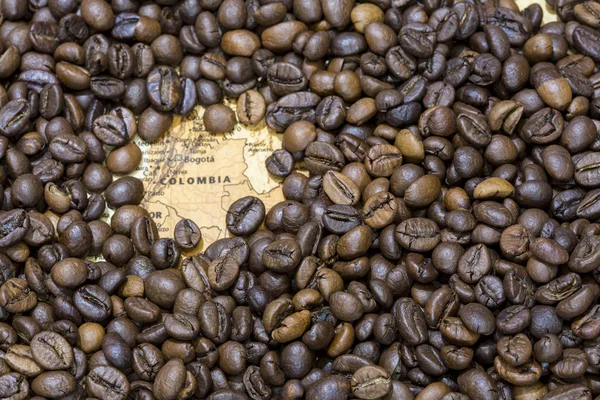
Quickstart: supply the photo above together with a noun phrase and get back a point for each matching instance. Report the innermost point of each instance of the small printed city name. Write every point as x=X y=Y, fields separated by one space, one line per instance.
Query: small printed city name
x=198 y=180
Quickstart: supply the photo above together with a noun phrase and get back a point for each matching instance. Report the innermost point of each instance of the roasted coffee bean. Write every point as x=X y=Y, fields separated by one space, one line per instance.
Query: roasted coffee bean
x=68 y=148
x=54 y=384
x=410 y=321
x=340 y=189
x=370 y=382
x=379 y=210
x=14 y=117
x=245 y=216
x=322 y=157
x=222 y=273
x=280 y=163
x=187 y=234
x=16 y=296
x=418 y=234
x=251 y=107
x=51 y=101
x=107 y=381
x=164 y=88
x=339 y=219
x=111 y=130
x=161 y=287
x=106 y=87
x=382 y=159
x=15 y=224
x=73 y=76
x=331 y=112
x=474 y=129
x=219 y=119
x=51 y=351
x=93 y=303
x=291 y=108
x=285 y=78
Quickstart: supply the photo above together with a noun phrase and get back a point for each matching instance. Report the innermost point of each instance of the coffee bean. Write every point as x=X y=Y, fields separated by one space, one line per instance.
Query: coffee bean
x=10 y=61
x=159 y=285
x=280 y=163
x=285 y=78
x=493 y=188
x=111 y=130
x=93 y=303
x=410 y=321
x=107 y=381
x=340 y=189
x=552 y=88
x=54 y=384
x=376 y=379
x=219 y=119
x=245 y=216
x=251 y=107
x=222 y=273
x=51 y=101
x=187 y=234
x=379 y=210
x=474 y=129
x=70 y=272
x=52 y=351
x=321 y=157
x=164 y=88
x=14 y=116
x=291 y=108
x=418 y=234
x=73 y=76
x=382 y=159
x=106 y=87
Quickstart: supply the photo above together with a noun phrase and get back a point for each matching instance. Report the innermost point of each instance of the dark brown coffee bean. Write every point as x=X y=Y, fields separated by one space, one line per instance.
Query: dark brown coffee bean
x=107 y=381
x=16 y=297
x=106 y=87
x=73 y=76
x=15 y=224
x=14 y=116
x=370 y=381
x=10 y=61
x=164 y=88
x=162 y=287
x=54 y=384
x=52 y=351
x=285 y=78
x=51 y=101
x=111 y=130
x=222 y=273
x=68 y=148
x=245 y=216
x=418 y=234
x=121 y=61
x=280 y=163
x=291 y=108
x=382 y=159
x=340 y=189
x=410 y=321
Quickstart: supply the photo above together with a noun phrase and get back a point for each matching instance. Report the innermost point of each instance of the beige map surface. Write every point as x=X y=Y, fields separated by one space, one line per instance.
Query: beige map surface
x=193 y=174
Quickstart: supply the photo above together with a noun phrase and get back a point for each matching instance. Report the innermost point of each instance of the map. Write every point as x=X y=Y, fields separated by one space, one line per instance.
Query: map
x=190 y=173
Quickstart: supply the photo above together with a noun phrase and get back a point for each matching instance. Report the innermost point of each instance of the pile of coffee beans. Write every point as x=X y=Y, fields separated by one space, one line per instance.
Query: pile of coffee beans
x=444 y=245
